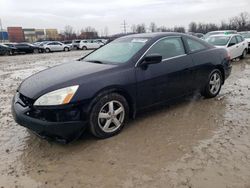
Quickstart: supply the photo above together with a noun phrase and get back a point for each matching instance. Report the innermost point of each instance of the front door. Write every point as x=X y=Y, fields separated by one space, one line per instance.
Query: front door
x=233 y=48
x=170 y=78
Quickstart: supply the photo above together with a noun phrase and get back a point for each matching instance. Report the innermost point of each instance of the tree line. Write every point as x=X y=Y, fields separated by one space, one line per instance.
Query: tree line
x=239 y=23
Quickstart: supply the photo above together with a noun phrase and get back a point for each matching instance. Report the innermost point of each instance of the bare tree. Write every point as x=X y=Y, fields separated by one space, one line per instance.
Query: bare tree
x=192 y=27
x=106 y=31
x=152 y=27
x=68 y=32
x=140 y=28
x=88 y=33
x=179 y=29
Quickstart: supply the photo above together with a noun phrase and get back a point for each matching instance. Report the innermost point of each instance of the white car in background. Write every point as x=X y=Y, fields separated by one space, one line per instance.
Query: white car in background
x=55 y=46
x=236 y=45
x=90 y=44
x=219 y=32
x=246 y=35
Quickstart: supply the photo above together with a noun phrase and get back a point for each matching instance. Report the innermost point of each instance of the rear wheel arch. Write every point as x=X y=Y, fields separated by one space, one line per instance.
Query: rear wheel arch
x=221 y=69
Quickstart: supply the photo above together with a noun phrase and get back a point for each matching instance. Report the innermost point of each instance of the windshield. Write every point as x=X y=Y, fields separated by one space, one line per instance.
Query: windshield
x=118 y=51
x=218 y=40
x=246 y=35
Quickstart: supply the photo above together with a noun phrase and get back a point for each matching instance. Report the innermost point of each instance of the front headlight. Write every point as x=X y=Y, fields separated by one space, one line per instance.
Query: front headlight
x=57 y=97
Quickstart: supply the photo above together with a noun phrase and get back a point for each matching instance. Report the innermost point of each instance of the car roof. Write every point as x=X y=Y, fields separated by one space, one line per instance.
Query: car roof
x=222 y=31
x=155 y=35
x=224 y=35
x=243 y=32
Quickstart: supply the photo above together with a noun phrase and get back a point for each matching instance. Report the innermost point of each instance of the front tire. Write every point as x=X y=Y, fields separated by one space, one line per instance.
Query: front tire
x=35 y=51
x=213 y=86
x=47 y=50
x=108 y=115
x=84 y=48
x=66 y=49
x=244 y=54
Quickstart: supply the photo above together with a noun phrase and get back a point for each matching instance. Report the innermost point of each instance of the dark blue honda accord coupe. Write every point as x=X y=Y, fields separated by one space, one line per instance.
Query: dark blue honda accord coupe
x=102 y=90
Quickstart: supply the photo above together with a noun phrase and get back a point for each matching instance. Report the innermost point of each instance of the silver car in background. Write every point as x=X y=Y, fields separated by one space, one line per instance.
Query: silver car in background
x=55 y=46
x=219 y=32
x=235 y=44
x=246 y=35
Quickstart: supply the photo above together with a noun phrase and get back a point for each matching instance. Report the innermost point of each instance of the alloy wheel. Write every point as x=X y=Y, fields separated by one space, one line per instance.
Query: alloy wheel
x=111 y=116
x=214 y=83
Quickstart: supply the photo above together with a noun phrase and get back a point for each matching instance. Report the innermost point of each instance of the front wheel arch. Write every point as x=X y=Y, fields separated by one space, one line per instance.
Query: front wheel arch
x=120 y=91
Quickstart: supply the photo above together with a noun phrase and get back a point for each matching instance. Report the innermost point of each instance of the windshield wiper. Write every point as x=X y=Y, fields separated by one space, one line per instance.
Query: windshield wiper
x=95 y=61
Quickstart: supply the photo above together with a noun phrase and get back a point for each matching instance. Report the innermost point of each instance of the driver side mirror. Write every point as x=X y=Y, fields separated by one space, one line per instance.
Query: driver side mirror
x=150 y=59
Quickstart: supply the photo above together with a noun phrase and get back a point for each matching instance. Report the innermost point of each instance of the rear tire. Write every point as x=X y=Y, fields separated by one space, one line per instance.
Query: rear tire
x=7 y=53
x=47 y=50
x=35 y=51
x=108 y=115
x=244 y=54
x=84 y=48
x=213 y=85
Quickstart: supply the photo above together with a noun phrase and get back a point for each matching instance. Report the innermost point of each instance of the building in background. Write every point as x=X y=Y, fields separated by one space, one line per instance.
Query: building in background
x=51 y=34
x=88 y=35
x=4 y=37
x=15 y=34
x=40 y=34
x=30 y=35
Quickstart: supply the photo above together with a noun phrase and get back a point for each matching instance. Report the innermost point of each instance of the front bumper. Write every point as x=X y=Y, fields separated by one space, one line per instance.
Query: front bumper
x=62 y=131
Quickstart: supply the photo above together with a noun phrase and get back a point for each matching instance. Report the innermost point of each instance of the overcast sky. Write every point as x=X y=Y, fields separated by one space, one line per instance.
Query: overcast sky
x=111 y=13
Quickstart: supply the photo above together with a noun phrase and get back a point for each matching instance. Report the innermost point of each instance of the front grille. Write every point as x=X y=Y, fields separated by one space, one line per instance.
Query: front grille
x=56 y=115
x=25 y=100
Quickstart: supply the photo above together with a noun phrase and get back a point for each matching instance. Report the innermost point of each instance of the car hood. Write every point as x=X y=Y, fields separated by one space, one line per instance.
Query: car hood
x=247 y=39
x=64 y=75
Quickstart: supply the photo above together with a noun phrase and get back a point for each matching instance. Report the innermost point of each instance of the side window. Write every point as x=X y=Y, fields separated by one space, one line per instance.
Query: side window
x=233 y=41
x=167 y=48
x=239 y=38
x=195 y=45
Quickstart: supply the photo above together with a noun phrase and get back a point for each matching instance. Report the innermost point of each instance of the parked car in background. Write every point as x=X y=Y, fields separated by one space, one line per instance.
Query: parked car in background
x=69 y=43
x=28 y=48
x=37 y=43
x=219 y=32
x=75 y=44
x=90 y=44
x=10 y=44
x=236 y=45
x=199 y=35
x=102 y=90
x=104 y=41
x=5 y=50
x=56 y=46
x=12 y=47
x=246 y=35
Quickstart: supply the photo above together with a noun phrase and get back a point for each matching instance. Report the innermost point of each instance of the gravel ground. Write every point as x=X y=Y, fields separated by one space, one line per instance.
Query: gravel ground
x=194 y=143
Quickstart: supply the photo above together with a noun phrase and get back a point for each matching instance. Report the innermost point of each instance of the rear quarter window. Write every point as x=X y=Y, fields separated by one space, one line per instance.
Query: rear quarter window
x=195 y=46
x=239 y=38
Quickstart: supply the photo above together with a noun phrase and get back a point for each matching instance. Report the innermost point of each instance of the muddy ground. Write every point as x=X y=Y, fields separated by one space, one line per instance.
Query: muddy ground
x=195 y=143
